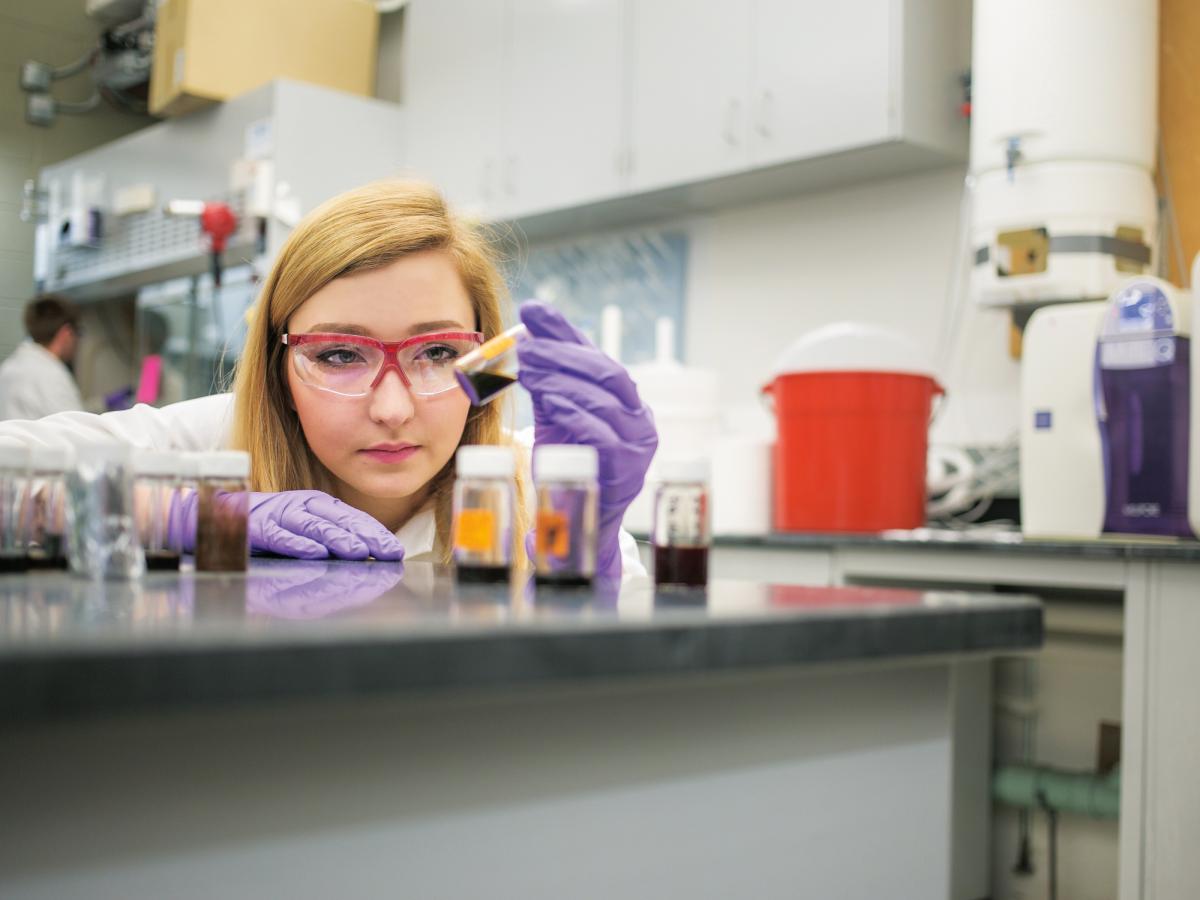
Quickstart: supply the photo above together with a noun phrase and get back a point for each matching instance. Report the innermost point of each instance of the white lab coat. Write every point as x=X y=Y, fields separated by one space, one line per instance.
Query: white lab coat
x=35 y=383
x=206 y=424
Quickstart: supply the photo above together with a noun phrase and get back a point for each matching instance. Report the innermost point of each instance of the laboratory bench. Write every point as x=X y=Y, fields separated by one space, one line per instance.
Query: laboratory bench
x=321 y=728
x=1142 y=593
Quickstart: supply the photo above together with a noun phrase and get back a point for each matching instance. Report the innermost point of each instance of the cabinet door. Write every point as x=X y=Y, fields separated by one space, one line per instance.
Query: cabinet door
x=563 y=114
x=822 y=77
x=691 y=78
x=453 y=91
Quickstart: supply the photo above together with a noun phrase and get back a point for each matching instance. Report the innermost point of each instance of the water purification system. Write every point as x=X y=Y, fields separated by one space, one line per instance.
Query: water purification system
x=1143 y=405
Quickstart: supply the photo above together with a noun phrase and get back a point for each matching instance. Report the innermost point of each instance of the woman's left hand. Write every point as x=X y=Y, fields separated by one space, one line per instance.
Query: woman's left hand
x=582 y=396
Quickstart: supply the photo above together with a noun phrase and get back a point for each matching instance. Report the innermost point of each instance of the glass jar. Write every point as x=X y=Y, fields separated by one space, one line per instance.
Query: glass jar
x=567 y=504
x=155 y=490
x=484 y=502
x=491 y=367
x=14 y=475
x=103 y=538
x=682 y=532
x=222 y=511
x=45 y=507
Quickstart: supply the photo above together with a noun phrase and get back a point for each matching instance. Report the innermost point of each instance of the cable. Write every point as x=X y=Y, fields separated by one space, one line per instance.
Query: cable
x=71 y=69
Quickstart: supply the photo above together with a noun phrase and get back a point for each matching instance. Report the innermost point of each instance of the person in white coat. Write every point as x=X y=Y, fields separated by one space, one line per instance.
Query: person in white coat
x=345 y=396
x=35 y=380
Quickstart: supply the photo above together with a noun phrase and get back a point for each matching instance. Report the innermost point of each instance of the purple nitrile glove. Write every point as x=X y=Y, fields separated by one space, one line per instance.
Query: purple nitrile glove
x=301 y=524
x=582 y=396
x=314 y=589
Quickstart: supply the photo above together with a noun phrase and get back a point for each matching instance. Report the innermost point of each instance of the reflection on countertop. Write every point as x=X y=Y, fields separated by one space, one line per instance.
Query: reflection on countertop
x=290 y=628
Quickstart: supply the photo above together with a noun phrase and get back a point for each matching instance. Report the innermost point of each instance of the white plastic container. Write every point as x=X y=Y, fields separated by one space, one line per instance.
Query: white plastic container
x=686 y=407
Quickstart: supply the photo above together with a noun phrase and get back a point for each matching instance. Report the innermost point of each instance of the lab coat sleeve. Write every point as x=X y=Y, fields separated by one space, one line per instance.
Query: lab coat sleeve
x=201 y=424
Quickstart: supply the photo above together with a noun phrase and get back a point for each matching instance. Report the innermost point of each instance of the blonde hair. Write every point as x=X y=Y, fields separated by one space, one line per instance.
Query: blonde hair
x=366 y=228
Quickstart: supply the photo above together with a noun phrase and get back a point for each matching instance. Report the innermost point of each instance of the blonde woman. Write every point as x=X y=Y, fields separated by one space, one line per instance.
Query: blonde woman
x=345 y=398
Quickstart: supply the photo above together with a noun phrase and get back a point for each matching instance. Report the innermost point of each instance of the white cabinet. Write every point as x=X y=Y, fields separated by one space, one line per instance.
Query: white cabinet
x=515 y=106
x=563 y=113
x=522 y=109
x=690 y=63
x=453 y=91
x=822 y=77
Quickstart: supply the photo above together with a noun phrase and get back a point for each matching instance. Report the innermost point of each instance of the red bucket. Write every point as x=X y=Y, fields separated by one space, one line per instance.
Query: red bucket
x=850 y=454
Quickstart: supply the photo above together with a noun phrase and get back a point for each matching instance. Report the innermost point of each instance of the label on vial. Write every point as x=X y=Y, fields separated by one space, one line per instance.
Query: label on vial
x=553 y=533
x=475 y=530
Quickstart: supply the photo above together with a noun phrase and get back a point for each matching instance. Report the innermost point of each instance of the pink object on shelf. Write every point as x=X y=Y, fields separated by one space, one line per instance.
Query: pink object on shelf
x=150 y=380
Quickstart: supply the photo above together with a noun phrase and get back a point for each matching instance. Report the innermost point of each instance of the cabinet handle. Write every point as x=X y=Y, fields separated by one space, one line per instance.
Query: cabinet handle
x=766 y=108
x=733 y=111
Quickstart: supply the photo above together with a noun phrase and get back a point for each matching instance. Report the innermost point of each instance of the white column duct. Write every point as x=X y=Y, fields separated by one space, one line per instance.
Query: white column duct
x=1063 y=137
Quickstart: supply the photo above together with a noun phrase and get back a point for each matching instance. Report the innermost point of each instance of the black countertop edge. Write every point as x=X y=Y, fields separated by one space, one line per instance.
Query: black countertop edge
x=1106 y=548
x=34 y=688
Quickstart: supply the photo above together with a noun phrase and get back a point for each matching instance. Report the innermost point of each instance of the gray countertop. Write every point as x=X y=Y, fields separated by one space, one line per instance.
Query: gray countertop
x=977 y=540
x=292 y=629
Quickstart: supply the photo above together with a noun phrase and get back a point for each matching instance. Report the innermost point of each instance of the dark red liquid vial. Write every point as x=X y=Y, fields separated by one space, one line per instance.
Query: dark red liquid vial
x=686 y=566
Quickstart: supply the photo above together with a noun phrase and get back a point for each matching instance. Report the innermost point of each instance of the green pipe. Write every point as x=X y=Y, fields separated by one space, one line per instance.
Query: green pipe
x=1098 y=796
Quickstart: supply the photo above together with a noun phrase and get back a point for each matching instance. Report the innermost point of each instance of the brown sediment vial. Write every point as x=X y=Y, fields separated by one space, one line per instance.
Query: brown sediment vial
x=221 y=544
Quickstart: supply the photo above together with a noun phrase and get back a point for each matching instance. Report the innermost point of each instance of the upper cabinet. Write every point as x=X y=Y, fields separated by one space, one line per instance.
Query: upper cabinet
x=690 y=90
x=821 y=77
x=453 y=91
x=520 y=108
x=563 y=112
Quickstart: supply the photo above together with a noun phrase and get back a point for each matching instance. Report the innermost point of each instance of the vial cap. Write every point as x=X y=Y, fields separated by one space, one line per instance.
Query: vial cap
x=104 y=454
x=53 y=460
x=485 y=461
x=14 y=456
x=188 y=463
x=155 y=462
x=565 y=462
x=683 y=469
x=225 y=464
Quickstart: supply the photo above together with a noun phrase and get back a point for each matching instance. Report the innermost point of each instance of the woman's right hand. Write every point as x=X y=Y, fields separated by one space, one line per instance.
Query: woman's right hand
x=304 y=525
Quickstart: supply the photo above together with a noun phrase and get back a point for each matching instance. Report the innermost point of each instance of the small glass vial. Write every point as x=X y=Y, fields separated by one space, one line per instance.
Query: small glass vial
x=681 y=533
x=484 y=501
x=14 y=475
x=103 y=539
x=154 y=493
x=491 y=367
x=222 y=510
x=567 y=501
x=45 y=509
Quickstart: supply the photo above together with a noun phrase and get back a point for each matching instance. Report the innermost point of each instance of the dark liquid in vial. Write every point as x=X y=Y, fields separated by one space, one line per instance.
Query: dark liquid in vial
x=485 y=385
x=552 y=580
x=481 y=574
x=161 y=560
x=13 y=562
x=686 y=566
x=49 y=555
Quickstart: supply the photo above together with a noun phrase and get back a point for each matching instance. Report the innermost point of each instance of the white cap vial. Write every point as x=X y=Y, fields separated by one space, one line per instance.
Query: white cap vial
x=224 y=464
x=104 y=454
x=684 y=469
x=155 y=463
x=565 y=462
x=54 y=460
x=14 y=456
x=485 y=461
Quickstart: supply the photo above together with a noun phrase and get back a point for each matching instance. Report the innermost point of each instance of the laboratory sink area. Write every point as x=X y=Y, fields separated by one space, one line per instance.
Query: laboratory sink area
x=358 y=725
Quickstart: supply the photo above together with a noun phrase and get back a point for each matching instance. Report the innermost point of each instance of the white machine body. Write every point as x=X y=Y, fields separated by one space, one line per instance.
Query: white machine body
x=1062 y=474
